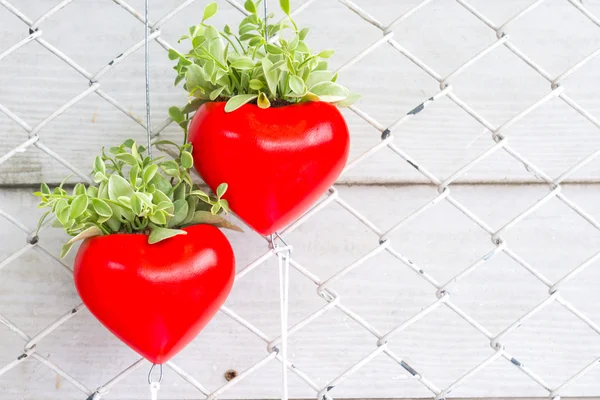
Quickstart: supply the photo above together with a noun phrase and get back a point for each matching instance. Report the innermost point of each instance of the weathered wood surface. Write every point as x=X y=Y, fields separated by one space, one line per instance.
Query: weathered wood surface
x=33 y=83
x=34 y=292
x=441 y=346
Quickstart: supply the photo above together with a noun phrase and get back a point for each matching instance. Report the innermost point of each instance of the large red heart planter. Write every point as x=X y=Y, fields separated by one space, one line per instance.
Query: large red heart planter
x=155 y=297
x=277 y=161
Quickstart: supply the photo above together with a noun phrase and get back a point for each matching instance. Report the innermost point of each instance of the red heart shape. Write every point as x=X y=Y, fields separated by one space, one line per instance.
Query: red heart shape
x=277 y=161
x=155 y=297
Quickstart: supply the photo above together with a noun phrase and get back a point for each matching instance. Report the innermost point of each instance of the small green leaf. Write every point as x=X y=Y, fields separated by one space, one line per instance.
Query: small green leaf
x=193 y=105
x=133 y=174
x=176 y=114
x=302 y=48
x=285 y=6
x=237 y=101
x=216 y=93
x=221 y=189
x=192 y=203
x=310 y=97
x=271 y=75
x=203 y=196
x=171 y=168
x=118 y=186
x=135 y=151
x=63 y=215
x=243 y=63
x=228 y=225
x=210 y=10
x=159 y=234
x=326 y=53
x=41 y=221
x=87 y=233
x=250 y=6
x=302 y=34
x=181 y=211
x=136 y=204
x=161 y=183
x=127 y=158
x=263 y=101
x=329 y=91
x=225 y=205
x=186 y=160
x=179 y=192
x=44 y=189
x=249 y=36
x=173 y=54
x=205 y=217
x=321 y=66
x=65 y=249
x=319 y=76
x=125 y=201
x=78 y=206
x=145 y=198
x=194 y=77
x=256 y=40
x=92 y=191
x=166 y=205
x=78 y=189
x=159 y=218
x=293 y=44
x=99 y=177
x=215 y=208
x=297 y=85
x=114 y=223
x=101 y=208
x=348 y=101
x=256 y=84
x=99 y=165
x=247 y=29
x=149 y=173
x=272 y=49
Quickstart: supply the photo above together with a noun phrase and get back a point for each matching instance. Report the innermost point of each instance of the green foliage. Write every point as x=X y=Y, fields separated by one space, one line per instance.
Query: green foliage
x=263 y=62
x=135 y=194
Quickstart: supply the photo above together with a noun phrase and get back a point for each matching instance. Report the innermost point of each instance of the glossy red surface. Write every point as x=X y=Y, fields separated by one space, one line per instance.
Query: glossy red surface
x=155 y=297
x=277 y=161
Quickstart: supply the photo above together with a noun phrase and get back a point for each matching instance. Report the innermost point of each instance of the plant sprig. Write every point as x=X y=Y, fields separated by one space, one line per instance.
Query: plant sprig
x=135 y=194
x=263 y=62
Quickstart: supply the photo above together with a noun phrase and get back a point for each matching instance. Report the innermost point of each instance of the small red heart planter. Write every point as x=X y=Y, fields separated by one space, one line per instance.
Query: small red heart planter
x=155 y=297
x=277 y=161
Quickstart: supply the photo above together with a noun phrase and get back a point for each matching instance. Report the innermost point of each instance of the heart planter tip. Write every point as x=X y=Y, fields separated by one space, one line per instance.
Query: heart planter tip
x=276 y=161
x=155 y=297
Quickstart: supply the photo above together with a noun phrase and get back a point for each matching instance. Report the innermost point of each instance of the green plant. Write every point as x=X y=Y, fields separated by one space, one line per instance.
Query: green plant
x=135 y=194
x=263 y=63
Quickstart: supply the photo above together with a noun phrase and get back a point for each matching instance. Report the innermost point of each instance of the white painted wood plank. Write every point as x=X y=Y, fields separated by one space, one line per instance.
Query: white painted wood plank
x=443 y=34
x=554 y=344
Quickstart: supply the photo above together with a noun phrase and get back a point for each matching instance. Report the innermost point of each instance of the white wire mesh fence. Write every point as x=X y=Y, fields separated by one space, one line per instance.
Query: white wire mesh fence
x=441 y=192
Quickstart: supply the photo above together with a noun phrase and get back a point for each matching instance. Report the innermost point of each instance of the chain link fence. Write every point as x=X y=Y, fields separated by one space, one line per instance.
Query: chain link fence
x=440 y=191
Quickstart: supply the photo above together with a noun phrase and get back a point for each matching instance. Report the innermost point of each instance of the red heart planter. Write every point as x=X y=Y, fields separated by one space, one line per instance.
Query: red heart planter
x=155 y=297
x=277 y=161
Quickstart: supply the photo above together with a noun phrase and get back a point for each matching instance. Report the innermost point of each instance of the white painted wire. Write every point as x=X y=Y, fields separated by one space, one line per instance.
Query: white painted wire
x=333 y=300
x=283 y=256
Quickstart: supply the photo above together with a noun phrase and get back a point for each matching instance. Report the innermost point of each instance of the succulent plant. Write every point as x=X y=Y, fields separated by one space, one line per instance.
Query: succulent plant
x=134 y=194
x=264 y=62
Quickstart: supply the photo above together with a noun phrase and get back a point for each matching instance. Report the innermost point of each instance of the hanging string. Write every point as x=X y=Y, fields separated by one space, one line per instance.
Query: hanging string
x=147 y=74
x=266 y=21
x=154 y=385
